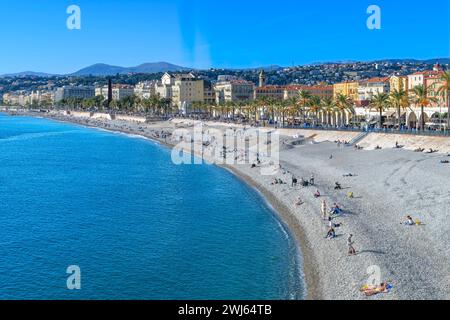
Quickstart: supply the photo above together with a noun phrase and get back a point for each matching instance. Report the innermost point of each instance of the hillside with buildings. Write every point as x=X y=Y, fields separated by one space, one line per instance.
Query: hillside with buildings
x=327 y=94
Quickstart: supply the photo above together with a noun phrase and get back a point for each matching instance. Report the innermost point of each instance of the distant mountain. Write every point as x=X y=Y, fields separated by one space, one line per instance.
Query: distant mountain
x=157 y=67
x=430 y=61
x=101 y=69
x=265 y=68
x=27 y=74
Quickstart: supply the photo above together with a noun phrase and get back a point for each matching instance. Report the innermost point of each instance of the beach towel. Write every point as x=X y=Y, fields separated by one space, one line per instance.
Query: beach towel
x=374 y=290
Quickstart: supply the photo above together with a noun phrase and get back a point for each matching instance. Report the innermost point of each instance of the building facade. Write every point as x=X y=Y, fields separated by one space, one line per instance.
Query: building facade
x=78 y=92
x=369 y=88
x=145 y=89
x=187 y=89
x=398 y=83
x=119 y=91
x=234 y=91
x=349 y=89
x=269 y=92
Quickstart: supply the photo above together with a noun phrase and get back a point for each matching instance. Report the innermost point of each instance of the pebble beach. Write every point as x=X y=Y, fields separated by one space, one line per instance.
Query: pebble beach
x=386 y=186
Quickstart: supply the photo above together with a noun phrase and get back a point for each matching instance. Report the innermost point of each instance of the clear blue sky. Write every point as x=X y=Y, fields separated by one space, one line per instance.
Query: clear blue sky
x=201 y=33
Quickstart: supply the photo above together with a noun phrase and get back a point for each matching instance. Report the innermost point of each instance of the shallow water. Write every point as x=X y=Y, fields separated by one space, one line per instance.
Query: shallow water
x=138 y=226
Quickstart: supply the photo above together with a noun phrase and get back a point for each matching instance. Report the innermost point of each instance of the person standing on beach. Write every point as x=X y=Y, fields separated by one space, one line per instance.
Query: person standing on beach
x=324 y=210
x=312 y=180
x=351 y=249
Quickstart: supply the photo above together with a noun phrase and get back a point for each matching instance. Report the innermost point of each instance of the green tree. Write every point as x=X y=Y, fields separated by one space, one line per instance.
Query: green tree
x=399 y=99
x=303 y=100
x=444 y=91
x=315 y=106
x=328 y=106
x=421 y=99
x=344 y=104
x=380 y=102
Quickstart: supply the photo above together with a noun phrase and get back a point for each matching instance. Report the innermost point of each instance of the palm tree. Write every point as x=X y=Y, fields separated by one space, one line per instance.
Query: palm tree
x=399 y=99
x=444 y=91
x=328 y=106
x=252 y=108
x=303 y=101
x=281 y=108
x=229 y=107
x=380 y=102
x=271 y=107
x=344 y=104
x=291 y=108
x=315 y=105
x=420 y=98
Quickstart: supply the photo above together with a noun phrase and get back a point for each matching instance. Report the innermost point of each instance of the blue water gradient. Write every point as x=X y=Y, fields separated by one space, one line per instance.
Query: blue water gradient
x=138 y=226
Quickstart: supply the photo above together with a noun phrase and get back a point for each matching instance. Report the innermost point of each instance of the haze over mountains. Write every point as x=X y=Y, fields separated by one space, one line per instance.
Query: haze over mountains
x=101 y=69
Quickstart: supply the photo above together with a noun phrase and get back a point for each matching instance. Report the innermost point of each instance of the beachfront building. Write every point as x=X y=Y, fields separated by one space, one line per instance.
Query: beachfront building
x=11 y=99
x=292 y=91
x=433 y=114
x=371 y=87
x=187 y=89
x=209 y=95
x=349 y=89
x=321 y=90
x=39 y=97
x=398 y=83
x=145 y=89
x=269 y=92
x=234 y=91
x=119 y=91
x=78 y=92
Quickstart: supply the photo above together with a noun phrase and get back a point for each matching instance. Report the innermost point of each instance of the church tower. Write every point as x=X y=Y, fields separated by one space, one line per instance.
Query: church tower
x=262 y=79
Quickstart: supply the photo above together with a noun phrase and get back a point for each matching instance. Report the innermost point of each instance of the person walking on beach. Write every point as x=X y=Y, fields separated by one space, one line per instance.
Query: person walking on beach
x=324 y=210
x=294 y=181
x=350 y=243
x=311 y=180
x=331 y=234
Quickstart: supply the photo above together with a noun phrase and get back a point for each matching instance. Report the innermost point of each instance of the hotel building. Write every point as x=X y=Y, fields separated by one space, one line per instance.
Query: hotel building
x=349 y=89
x=79 y=92
x=369 y=88
x=269 y=92
x=145 y=89
x=234 y=91
x=186 y=89
x=119 y=91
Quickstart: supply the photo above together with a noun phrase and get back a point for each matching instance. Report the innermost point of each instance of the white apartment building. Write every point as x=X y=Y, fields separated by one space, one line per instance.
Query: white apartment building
x=234 y=91
x=81 y=92
x=145 y=89
x=119 y=91
x=186 y=90
x=369 y=88
x=419 y=78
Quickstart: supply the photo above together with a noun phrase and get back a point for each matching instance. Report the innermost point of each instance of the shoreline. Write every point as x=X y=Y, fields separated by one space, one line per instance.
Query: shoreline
x=281 y=212
x=284 y=215
x=414 y=260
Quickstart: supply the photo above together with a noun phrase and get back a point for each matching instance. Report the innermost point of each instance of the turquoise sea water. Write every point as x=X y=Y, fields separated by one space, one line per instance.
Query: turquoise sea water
x=138 y=226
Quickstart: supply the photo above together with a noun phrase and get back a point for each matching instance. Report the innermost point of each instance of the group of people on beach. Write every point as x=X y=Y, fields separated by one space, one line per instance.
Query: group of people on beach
x=327 y=215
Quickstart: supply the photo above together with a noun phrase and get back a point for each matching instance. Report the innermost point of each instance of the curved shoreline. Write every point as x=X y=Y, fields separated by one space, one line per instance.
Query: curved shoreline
x=412 y=259
x=282 y=213
x=313 y=291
